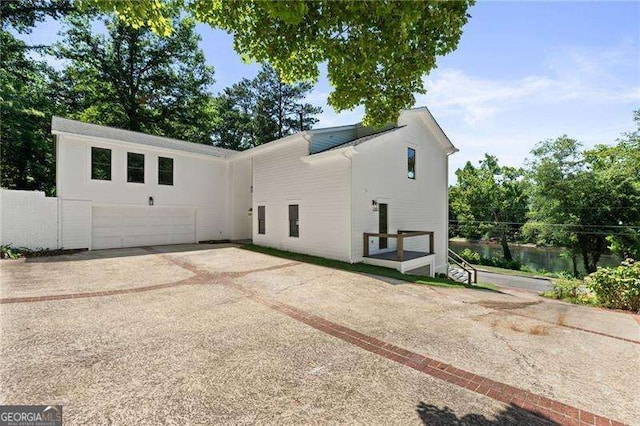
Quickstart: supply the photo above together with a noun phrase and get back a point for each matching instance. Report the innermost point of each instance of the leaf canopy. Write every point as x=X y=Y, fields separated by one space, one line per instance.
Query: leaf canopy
x=377 y=52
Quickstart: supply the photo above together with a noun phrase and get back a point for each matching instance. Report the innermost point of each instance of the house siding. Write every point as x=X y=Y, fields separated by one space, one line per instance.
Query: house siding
x=240 y=198
x=380 y=174
x=322 y=191
x=75 y=224
x=199 y=181
x=327 y=140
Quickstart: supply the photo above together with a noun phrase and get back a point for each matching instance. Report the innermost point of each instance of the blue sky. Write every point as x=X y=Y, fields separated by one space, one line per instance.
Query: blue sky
x=523 y=72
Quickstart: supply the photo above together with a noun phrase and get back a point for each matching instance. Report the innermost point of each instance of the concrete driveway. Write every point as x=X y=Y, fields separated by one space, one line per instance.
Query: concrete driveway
x=201 y=334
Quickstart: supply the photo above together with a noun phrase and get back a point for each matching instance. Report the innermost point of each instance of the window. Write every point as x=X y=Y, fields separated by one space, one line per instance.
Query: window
x=135 y=167
x=262 y=224
x=100 y=163
x=411 y=163
x=294 y=223
x=165 y=171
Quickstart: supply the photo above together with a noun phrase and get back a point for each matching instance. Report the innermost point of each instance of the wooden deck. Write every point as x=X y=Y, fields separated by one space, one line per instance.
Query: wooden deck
x=393 y=255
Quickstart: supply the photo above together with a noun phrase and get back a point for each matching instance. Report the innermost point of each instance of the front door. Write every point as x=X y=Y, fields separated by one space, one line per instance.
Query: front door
x=383 y=225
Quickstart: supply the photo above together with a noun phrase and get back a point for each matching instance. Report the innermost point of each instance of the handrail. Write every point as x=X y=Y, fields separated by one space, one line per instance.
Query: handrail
x=468 y=268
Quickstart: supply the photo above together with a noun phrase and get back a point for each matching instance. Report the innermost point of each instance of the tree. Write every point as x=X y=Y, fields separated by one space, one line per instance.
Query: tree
x=253 y=112
x=489 y=200
x=579 y=199
x=377 y=52
x=620 y=165
x=137 y=80
x=22 y=15
x=26 y=147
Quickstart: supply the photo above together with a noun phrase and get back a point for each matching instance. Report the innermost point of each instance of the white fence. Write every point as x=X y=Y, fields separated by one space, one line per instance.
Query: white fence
x=29 y=219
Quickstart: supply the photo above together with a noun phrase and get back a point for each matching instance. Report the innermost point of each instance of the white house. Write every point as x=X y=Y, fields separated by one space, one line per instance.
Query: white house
x=317 y=192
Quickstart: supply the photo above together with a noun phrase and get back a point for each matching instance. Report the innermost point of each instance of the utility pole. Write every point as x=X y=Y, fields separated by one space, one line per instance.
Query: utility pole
x=301 y=113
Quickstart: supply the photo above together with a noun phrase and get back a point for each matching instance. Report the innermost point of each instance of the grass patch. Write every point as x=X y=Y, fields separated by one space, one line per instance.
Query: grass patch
x=364 y=268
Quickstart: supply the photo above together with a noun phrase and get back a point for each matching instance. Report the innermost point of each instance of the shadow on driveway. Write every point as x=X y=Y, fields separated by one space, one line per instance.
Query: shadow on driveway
x=432 y=415
x=128 y=252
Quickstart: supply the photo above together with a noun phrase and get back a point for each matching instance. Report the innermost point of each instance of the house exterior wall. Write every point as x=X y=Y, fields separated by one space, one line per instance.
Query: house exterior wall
x=322 y=141
x=322 y=191
x=240 y=198
x=28 y=219
x=199 y=181
x=74 y=224
x=380 y=174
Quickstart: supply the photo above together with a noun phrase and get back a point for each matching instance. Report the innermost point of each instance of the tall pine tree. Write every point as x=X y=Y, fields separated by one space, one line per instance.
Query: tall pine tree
x=253 y=112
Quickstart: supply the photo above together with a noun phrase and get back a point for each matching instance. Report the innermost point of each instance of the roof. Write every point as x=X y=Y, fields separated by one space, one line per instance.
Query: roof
x=358 y=141
x=64 y=125
x=444 y=140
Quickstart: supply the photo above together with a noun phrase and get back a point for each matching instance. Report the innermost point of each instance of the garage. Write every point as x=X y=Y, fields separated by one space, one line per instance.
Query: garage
x=115 y=226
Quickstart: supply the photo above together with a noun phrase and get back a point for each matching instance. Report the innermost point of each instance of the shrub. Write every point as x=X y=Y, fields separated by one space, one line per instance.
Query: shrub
x=470 y=256
x=8 y=252
x=571 y=290
x=617 y=287
x=475 y=258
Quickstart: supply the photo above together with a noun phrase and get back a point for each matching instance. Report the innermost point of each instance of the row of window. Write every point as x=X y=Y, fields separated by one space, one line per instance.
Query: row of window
x=101 y=167
x=294 y=220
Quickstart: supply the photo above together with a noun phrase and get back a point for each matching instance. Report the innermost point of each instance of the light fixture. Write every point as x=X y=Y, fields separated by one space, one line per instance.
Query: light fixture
x=250 y=211
x=150 y=201
x=374 y=205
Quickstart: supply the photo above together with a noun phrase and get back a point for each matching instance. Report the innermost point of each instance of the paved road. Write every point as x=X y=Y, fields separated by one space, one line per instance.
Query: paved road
x=501 y=280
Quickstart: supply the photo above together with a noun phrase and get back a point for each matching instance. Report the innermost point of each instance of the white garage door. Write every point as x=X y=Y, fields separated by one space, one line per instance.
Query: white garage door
x=128 y=226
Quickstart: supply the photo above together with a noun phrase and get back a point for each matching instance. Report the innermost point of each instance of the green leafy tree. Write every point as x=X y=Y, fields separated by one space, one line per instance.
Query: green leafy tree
x=579 y=199
x=489 y=200
x=134 y=79
x=377 y=52
x=620 y=166
x=253 y=112
x=26 y=98
x=22 y=15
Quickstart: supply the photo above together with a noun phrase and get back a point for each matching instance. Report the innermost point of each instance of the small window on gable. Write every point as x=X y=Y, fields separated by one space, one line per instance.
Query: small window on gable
x=165 y=171
x=262 y=225
x=294 y=222
x=100 y=163
x=411 y=163
x=135 y=167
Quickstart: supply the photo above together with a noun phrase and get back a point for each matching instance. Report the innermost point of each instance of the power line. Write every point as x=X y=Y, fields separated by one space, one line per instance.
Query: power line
x=541 y=223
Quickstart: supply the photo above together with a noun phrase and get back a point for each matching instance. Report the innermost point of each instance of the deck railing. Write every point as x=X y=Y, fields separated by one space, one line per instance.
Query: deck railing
x=400 y=237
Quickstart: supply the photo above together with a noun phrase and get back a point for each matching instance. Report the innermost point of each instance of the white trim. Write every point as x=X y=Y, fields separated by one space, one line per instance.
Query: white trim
x=121 y=144
x=296 y=137
x=330 y=154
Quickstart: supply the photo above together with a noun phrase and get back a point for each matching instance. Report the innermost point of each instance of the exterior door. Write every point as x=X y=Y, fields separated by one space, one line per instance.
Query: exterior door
x=383 y=225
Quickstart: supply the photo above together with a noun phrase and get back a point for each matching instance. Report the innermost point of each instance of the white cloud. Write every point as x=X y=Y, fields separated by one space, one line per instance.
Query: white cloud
x=589 y=95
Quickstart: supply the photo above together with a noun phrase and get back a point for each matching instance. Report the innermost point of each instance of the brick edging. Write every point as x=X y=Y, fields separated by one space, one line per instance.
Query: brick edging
x=539 y=405
x=197 y=279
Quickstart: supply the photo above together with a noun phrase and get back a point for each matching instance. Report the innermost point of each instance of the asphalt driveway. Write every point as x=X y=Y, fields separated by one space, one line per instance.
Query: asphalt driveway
x=201 y=334
x=537 y=285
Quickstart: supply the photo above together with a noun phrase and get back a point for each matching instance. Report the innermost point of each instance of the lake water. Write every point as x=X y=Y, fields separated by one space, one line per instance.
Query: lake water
x=537 y=258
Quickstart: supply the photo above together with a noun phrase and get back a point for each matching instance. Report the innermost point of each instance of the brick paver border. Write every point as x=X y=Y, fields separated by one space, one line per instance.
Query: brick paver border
x=546 y=408
x=201 y=277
